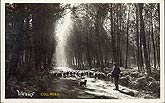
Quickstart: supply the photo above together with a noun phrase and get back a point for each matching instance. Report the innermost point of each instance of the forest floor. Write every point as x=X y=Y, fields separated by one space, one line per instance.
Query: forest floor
x=95 y=88
x=69 y=88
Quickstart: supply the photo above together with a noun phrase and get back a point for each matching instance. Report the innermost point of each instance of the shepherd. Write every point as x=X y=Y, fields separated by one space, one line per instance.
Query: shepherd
x=115 y=74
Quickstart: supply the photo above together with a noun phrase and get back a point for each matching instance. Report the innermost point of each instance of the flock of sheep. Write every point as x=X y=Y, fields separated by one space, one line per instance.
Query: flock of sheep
x=81 y=74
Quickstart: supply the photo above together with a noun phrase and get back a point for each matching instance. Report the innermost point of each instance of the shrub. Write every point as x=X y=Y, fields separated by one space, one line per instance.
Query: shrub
x=141 y=83
x=125 y=81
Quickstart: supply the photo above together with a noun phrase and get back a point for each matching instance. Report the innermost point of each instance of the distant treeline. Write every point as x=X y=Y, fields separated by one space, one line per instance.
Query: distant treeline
x=127 y=34
x=29 y=36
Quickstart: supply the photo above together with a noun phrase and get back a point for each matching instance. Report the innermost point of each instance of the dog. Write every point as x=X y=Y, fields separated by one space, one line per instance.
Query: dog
x=59 y=75
x=83 y=83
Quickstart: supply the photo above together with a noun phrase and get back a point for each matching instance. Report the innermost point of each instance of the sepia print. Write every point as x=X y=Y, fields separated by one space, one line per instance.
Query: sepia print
x=82 y=51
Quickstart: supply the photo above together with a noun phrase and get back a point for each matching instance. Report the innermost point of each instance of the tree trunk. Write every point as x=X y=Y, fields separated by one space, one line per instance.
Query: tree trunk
x=153 y=43
x=142 y=34
x=126 y=60
x=137 y=40
x=158 y=41
x=112 y=35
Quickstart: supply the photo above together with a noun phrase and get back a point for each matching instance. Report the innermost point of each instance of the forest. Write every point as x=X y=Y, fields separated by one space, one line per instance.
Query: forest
x=100 y=35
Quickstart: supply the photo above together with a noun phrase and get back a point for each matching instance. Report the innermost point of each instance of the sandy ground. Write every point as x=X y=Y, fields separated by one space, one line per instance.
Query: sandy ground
x=95 y=89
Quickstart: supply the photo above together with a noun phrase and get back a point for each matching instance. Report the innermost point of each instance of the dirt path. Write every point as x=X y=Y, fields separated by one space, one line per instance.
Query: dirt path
x=69 y=88
x=105 y=89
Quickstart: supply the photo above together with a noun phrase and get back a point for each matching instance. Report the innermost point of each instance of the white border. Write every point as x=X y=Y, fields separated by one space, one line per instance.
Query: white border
x=161 y=100
x=83 y=1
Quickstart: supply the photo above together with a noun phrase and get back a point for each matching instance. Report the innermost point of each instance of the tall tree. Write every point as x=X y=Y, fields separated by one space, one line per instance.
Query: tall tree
x=127 y=40
x=143 y=37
